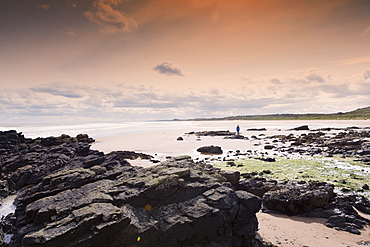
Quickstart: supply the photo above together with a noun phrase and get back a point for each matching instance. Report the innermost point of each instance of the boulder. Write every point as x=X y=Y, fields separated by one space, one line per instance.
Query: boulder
x=231 y=176
x=210 y=150
x=256 y=186
x=297 y=198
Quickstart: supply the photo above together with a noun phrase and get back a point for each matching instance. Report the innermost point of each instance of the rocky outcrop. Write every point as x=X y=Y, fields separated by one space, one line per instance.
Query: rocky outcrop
x=311 y=200
x=297 y=198
x=131 y=155
x=350 y=142
x=257 y=186
x=341 y=213
x=25 y=162
x=210 y=150
x=175 y=203
x=69 y=195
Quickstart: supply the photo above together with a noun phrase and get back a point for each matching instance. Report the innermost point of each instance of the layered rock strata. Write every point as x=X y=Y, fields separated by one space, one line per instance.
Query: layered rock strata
x=69 y=195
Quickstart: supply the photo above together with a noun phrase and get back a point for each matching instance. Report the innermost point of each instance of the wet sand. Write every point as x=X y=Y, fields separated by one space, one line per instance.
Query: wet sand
x=283 y=230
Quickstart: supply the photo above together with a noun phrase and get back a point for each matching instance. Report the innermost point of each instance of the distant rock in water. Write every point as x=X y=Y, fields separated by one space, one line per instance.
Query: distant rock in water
x=69 y=195
x=210 y=150
x=212 y=133
x=236 y=137
x=257 y=129
x=303 y=127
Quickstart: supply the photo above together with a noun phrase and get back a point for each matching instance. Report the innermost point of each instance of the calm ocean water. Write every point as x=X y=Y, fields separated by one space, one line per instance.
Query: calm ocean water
x=92 y=129
x=121 y=128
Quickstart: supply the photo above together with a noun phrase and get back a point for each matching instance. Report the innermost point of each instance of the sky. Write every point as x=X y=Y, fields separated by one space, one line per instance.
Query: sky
x=133 y=60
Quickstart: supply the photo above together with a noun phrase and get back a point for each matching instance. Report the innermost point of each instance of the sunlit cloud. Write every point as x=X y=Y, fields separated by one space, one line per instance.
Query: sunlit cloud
x=366 y=32
x=44 y=6
x=69 y=31
x=366 y=74
x=109 y=19
x=57 y=89
x=167 y=68
x=315 y=77
x=277 y=94
x=355 y=60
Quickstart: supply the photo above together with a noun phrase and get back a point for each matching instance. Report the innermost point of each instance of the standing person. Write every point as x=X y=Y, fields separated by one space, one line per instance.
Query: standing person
x=237 y=130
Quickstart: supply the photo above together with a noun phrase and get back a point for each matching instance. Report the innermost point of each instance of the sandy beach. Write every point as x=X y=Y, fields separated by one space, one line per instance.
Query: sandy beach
x=278 y=229
x=283 y=230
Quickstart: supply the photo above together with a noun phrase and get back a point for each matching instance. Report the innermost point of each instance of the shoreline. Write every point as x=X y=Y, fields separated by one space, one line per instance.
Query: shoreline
x=279 y=229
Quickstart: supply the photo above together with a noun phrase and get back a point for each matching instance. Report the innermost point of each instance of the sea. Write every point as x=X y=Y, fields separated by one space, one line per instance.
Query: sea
x=103 y=129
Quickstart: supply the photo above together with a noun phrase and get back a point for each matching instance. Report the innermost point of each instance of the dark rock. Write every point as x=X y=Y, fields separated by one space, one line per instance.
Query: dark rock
x=160 y=204
x=267 y=159
x=238 y=137
x=293 y=198
x=266 y=171
x=257 y=129
x=303 y=127
x=256 y=186
x=213 y=133
x=180 y=138
x=69 y=195
x=269 y=147
x=131 y=155
x=231 y=163
x=231 y=176
x=210 y=150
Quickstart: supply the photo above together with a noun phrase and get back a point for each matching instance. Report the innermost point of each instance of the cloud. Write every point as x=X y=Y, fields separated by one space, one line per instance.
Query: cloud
x=57 y=89
x=315 y=78
x=215 y=16
x=69 y=31
x=355 y=60
x=366 y=74
x=110 y=20
x=276 y=81
x=167 y=68
x=113 y=2
x=261 y=95
x=366 y=32
x=44 y=6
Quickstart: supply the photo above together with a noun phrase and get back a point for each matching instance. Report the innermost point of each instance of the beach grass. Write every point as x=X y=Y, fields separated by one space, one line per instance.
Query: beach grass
x=345 y=174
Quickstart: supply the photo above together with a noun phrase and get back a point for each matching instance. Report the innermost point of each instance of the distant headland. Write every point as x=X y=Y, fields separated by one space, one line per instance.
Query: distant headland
x=359 y=114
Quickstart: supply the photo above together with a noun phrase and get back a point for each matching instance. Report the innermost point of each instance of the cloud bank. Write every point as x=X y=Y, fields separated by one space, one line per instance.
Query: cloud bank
x=310 y=91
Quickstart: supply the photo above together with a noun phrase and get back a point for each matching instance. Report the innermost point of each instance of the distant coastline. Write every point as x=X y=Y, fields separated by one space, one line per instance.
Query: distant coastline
x=359 y=114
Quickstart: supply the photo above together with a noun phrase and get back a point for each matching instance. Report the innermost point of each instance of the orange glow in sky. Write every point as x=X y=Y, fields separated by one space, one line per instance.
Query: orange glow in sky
x=160 y=59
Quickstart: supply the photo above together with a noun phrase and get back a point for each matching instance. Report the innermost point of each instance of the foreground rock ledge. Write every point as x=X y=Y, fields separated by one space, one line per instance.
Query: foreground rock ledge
x=175 y=203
